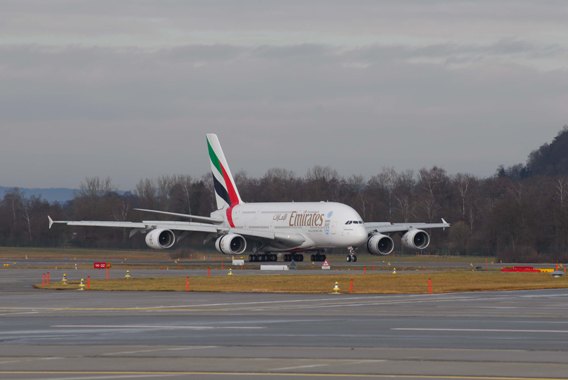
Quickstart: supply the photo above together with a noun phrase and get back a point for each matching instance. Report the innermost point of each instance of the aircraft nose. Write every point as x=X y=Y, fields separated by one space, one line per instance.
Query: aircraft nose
x=360 y=235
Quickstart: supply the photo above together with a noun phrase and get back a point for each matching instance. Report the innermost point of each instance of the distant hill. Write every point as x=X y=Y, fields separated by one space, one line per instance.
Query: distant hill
x=52 y=195
x=548 y=160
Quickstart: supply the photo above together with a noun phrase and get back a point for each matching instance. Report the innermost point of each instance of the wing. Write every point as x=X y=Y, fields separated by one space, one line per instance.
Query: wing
x=384 y=227
x=144 y=225
x=288 y=240
x=189 y=216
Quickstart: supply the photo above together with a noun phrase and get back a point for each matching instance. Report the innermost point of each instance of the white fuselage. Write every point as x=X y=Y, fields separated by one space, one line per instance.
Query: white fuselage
x=321 y=224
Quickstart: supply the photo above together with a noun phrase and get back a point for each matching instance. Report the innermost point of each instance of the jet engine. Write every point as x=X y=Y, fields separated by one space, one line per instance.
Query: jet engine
x=231 y=244
x=416 y=239
x=160 y=238
x=380 y=244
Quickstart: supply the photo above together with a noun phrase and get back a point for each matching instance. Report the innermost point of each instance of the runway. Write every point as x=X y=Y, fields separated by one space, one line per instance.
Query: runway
x=91 y=335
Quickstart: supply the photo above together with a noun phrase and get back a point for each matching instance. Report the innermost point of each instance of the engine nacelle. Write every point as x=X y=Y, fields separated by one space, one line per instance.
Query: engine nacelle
x=160 y=239
x=379 y=244
x=416 y=239
x=231 y=244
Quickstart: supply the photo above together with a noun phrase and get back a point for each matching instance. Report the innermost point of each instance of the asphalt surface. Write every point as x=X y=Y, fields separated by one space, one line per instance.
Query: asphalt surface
x=127 y=335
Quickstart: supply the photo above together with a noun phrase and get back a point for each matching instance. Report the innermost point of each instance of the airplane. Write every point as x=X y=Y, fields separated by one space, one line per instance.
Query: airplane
x=272 y=229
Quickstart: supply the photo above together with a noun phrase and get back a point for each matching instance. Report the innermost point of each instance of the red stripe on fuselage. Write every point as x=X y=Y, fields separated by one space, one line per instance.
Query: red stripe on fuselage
x=230 y=216
x=230 y=188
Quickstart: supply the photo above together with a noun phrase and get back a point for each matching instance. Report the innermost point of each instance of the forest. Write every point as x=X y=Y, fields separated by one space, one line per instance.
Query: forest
x=518 y=214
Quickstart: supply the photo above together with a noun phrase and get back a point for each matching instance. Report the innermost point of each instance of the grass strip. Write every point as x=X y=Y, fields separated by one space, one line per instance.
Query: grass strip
x=402 y=283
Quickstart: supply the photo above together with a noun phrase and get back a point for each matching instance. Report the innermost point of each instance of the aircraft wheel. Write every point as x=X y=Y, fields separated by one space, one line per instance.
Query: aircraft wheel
x=348 y=258
x=354 y=258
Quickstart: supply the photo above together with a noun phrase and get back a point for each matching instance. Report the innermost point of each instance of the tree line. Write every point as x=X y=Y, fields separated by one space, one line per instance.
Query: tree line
x=511 y=217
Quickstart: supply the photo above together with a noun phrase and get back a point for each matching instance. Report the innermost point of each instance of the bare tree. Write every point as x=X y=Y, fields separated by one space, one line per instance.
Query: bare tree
x=387 y=179
x=95 y=187
x=562 y=190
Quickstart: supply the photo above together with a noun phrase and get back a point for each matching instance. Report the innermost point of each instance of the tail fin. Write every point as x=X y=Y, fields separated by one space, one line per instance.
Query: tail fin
x=226 y=191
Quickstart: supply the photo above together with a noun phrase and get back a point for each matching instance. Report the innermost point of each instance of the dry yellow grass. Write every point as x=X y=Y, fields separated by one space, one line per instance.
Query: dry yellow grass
x=443 y=282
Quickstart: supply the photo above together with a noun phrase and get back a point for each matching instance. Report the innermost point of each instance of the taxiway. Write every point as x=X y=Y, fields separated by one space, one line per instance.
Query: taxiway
x=95 y=335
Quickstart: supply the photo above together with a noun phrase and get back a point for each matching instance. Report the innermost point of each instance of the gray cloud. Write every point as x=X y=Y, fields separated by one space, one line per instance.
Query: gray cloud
x=128 y=89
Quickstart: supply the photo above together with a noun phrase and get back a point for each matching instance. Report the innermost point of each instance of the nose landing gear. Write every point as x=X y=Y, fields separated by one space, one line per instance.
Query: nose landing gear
x=352 y=256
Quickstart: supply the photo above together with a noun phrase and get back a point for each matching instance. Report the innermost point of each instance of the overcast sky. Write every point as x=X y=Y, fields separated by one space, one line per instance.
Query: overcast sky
x=128 y=89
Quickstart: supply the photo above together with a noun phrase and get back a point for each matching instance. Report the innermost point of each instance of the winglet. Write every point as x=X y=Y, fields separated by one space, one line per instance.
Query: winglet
x=50 y=221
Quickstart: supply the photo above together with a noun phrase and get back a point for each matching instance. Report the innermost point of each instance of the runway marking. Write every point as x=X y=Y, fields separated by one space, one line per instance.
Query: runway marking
x=126 y=374
x=384 y=301
x=342 y=362
x=102 y=377
x=19 y=313
x=480 y=330
x=300 y=367
x=381 y=298
x=158 y=350
x=348 y=301
x=155 y=327
x=542 y=295
x=541 y=322
x=23 y=360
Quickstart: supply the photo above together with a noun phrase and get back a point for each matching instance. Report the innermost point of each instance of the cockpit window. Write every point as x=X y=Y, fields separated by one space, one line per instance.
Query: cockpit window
x=348 y=222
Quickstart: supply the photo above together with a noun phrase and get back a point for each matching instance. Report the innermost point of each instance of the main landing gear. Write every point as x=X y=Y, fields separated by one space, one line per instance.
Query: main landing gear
x=294 y=257
x=297 y=257
x=263 y=257
x=318 y=257
x=352 y=256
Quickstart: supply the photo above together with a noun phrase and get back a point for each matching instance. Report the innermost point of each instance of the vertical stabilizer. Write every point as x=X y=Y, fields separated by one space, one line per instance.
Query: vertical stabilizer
x=226 y=191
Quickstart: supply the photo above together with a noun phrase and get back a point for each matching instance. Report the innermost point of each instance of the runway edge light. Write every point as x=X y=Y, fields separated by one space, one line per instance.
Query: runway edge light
x=336 y=288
